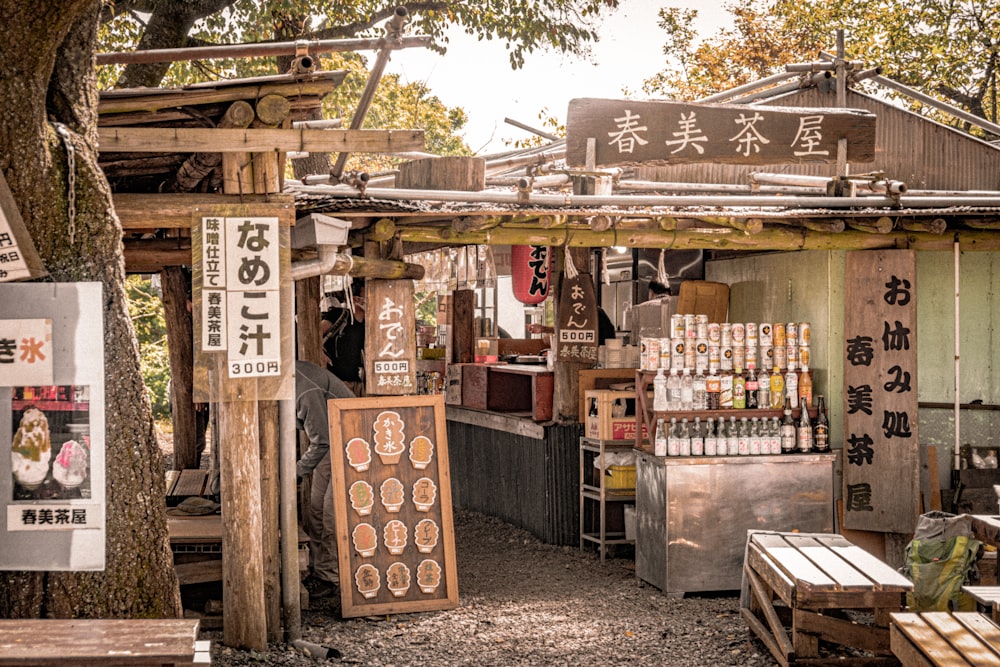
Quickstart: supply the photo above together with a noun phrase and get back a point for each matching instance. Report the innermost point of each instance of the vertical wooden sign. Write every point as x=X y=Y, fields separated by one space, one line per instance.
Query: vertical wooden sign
x=578 y=324
x=881 y=451
x=392 y=499
x=390 y=338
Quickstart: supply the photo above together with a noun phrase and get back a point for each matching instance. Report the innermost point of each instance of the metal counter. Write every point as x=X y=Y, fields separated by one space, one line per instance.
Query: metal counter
x=693 y=513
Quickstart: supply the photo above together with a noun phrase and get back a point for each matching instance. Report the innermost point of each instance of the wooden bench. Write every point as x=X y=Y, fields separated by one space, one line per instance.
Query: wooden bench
x=815 y=578
x=79 y=642
x=945 y=639
x=986 y=596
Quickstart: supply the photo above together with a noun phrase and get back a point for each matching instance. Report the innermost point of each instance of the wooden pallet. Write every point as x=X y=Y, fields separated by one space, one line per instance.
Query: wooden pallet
x=797 y=586
x=945 y=639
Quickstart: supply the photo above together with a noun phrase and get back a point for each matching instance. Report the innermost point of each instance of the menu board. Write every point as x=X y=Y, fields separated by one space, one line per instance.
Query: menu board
x=392 y=498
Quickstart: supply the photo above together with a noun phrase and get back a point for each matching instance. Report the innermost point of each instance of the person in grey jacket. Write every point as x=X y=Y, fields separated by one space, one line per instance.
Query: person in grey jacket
x=314 y=386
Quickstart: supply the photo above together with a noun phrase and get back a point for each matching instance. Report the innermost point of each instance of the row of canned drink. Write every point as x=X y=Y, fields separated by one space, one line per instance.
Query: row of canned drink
x=731 y=349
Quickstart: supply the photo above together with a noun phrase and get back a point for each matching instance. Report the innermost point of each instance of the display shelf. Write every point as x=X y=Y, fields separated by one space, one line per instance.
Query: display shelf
x=600 y=495
x=50 y=406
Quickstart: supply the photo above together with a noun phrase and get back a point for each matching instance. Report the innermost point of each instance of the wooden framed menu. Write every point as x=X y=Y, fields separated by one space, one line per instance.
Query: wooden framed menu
x=392 y=499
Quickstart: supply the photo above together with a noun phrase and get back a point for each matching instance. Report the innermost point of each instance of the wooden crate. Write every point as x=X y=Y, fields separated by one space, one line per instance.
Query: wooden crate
x=600 y=378
x=604 y=426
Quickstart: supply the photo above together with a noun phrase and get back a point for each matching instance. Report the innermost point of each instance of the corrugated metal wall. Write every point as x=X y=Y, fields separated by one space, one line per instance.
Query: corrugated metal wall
x=530 y=483
x=923 y=154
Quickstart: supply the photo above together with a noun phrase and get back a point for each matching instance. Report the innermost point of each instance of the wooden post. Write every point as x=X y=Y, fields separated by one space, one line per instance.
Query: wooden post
x=245 y=626
x=463 y=316
x=307 y=317
x=174 y=284
x=566 y=390
x=267 y=414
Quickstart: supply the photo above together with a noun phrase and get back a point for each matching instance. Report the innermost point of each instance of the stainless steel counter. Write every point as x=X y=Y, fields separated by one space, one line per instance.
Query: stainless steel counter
x=693 y=513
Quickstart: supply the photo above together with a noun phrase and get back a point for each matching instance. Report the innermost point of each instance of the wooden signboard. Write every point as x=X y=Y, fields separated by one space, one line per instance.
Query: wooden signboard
x=578 y=324
x=392 y=499
x=18 y=258
x=631 y=132
x=881 y=453
x=390 y=338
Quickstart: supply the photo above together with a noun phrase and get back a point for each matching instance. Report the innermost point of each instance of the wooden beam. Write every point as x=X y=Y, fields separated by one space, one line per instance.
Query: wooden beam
x=176 y=211
x=222 y=140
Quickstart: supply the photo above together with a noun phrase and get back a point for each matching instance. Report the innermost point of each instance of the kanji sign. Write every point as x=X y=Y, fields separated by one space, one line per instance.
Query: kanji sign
x=666 y=132
x=578 y=326
x=26 y=352
x=390 y=330
x=881 y=454
x=18 y=258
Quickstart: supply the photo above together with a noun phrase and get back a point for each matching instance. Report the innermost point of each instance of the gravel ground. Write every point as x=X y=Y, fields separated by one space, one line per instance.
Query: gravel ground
x=527 y=603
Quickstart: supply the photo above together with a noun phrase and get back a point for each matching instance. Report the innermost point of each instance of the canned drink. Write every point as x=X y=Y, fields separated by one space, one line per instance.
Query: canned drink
x=766 y=357
x=739 y=333
x=677 y=346
x=726 y=333
x=714 y=357
x=765 y=332
x=690 y=329
x=804 y=356
x=751 y=357
x=701 y=355
x=649 y=350
x=791 y=333
x=701 y=329
x=792 y=353
x=739 y=357
x=781 y=357
x=690 y=353
x=805 y=334
x=726 y=358
x=779 y=335
x=714 y=333
x=676 y=326
x=665 y=345
x=751 y=333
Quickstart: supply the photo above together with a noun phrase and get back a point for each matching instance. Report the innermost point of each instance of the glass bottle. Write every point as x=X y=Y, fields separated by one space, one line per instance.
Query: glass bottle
x=755 y=446
x=732 y=439
x=774 y=437
x=687 y=391
x=660 y=391
x=777 y=389
x=684 y=438
x=739 y=390
x=743 y=437
x=660 y=441
x=673 y=446
x=787 y=428
x=711 y=440
x=750 y=389
x=804 y=431
x=673 y=391
x=697 y=438
x=699 y=392
x=821 y=430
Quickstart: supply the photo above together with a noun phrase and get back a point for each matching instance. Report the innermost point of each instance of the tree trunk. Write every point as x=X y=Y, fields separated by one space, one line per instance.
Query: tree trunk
x=46 y=66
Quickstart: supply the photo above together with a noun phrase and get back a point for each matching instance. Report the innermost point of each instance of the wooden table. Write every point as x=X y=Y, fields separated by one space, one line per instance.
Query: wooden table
x=78 y=642
x=945 y=639
x=814 y=578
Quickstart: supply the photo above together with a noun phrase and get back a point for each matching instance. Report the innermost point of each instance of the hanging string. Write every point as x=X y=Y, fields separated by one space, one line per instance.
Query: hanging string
x=661 y=269
x=605 y=276
x=571 y=271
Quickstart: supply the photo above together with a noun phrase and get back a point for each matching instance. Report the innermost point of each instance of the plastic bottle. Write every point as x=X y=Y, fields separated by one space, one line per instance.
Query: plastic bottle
x=713 y=386
x=697 y=438
x=755 y=440
x=787 y=428
x=750 y=389
x=660 y=441
x=684 y=438
x=805 y=388
x=804 y=431
x=660 y=391
x=764 y=391
x=743 y=437
x=821 y=429
x=687 y=391
x=732 y=439
x=673 y=446
x=726 y=390
x=777 y=382
x=711 y=439
x=673 y=391
x=792 y=389
x=700 y=392
x=739 y=390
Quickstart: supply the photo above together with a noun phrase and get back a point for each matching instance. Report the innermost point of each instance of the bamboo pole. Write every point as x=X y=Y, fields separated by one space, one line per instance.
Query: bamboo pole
x=881 y=225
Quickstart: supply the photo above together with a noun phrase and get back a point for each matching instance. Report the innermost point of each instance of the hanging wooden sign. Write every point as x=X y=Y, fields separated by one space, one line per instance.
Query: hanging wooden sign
x=392 y=500
x=664 y=132
x=18 y=258
x=578 y=324
x=881 y=452
x=390 y=338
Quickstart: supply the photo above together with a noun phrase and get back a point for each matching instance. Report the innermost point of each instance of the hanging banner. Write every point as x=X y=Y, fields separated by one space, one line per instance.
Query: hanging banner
x=390 y=338
x=577 y=325
x=531 y=273
x=881 y=452
x=52 y=476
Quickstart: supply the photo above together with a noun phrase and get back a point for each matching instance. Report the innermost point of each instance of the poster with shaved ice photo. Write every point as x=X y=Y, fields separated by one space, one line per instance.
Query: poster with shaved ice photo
x=50 y=451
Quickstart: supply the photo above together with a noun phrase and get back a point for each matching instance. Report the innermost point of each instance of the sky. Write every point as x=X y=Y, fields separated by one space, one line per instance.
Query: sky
x=477 y=76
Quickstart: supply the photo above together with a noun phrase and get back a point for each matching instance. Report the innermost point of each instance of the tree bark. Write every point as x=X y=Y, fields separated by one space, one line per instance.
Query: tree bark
x=46 y=65
x=180 y=341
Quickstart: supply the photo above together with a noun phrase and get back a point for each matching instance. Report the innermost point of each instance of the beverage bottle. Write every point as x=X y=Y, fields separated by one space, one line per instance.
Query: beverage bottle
x=687 y=390
x=684 y=438
x=787 y=428
x=673 y=391
x=764 y=391
x=700 y=392
x=739 y=390
x=774 y=436
x=821 y=430
x=660 y=391
x=750 y=389
x=697 y=438
x=777 y=390
x=755 y=441
x=713 y=387
x=726 y=390
x=673 y=444
x=711 y=440
x=805 y=388
x=792 y=389
x=660 y=441
x=732 y=439
x=743 y=437
x=804 y=431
